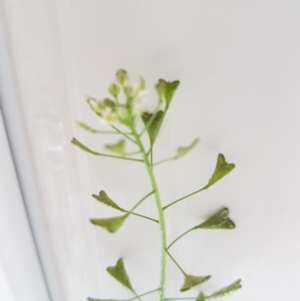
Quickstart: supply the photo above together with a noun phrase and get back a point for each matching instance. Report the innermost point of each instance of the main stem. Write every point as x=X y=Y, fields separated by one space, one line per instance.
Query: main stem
x=161 y=217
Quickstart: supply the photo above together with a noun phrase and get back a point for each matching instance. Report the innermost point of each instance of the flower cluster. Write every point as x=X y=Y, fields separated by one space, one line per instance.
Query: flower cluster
x=125 y=102
x=112 y=109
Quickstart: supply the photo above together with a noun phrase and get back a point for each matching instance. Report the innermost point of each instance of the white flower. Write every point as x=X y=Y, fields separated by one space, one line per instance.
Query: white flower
x=108 y=116
x=139 y=102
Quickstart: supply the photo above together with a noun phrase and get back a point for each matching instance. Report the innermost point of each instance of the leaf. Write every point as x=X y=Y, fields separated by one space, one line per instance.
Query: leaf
x=219 y=220
x=191 y=281
x=227 y=289
x=111 y=224
x=221 y=170
x=119 y=273
x=105 y=199
x=154 y=127
x=183 y=150
x=118 y=148
x=171 y=87
x=87 y=128
x=166 y=90
x=200 y=297
x=83 y=147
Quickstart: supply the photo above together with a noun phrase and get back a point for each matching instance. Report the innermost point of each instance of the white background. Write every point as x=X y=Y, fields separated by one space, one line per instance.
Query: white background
x=20 y=274
x=238 y=63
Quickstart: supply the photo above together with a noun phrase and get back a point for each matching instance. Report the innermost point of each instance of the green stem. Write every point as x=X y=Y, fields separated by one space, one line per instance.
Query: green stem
x=151 y=157
x=164 y=160
x=176 y=263
x=183 y=298
x=86 y=127
x=133 y=153
x=184 y=197
x=85 y=148
x=137 y=296
x=186 y=298
x=142 y=295
x=140 y=215
x=161 y=217
x=173 y=242
x=123 y=134
x=140 y=202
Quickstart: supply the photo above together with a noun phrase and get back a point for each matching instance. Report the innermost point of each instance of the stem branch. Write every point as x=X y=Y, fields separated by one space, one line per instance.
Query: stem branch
x=140 y=215
x=164 y=160
x=173 y=242
x=85 y=148
x=186 y=298
x=140 y=202
x=86 y=127
x=142 y=295
x=184 y=197
x=123 y=134
x=176 y=263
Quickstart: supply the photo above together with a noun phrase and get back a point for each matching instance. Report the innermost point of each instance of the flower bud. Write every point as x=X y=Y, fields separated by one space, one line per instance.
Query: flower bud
x=140 y=88
x=128 y=90
x=122 y=76
x=109 y=103
x=96 y=105
x=114 y=90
